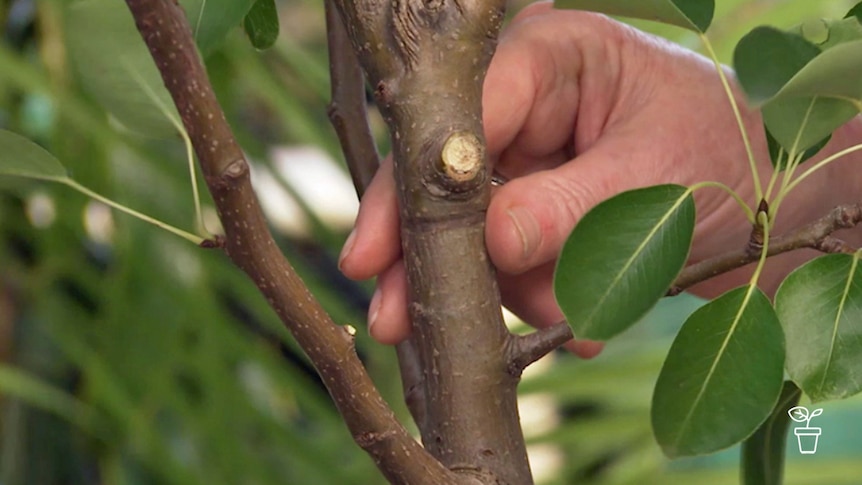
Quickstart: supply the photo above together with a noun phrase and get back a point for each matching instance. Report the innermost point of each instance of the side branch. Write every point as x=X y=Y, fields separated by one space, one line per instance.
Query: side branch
x=349 y=116
x=347 y=110
x=816 y=235
x=523 y=350
x=250 y=246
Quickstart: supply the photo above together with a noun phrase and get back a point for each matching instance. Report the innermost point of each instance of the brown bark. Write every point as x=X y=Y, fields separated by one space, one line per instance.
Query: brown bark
x=249 y=245
x=427 y=61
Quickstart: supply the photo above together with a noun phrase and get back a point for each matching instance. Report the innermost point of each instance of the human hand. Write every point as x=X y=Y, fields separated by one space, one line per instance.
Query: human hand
x=577 y=108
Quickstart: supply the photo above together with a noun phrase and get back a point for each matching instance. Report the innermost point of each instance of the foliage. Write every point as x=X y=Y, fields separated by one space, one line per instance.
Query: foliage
x=723 y=374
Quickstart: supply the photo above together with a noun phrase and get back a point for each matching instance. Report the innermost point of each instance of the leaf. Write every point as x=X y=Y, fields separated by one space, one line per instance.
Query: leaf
x=766 y=58
x=120 y=74
x=622 y=257
x=22 y=158
x=261 y=24
x=805 y=93
x=763 y=453
x=689 y=14
x=855 y=12
x=211 y=20
x=820 y=307
x=722 y=376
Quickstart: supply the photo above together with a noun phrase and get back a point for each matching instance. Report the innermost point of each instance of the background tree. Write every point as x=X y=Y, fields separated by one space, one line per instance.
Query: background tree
x=167 y=379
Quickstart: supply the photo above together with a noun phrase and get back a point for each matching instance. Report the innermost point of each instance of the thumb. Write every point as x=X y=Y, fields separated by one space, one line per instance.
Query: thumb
x=530 y=217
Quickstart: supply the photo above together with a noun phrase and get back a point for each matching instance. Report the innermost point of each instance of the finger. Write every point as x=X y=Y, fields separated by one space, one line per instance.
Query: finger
x=374 y=243
x=388 y=320
x=530 y=218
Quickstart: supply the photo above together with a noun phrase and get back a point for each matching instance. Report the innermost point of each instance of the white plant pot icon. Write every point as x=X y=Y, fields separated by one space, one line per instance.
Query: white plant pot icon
x=806 y=437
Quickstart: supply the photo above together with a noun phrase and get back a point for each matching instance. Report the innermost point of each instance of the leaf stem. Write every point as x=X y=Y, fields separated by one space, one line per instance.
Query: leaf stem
x=826 y=161
x=84 y=190
x=758 y=189
x=749 y=214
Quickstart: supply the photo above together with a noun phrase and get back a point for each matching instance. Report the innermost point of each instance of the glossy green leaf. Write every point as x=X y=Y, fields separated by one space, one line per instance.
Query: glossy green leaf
x=622 y=257
x=120 y=74
x=23 y=158
x=722 y=376
x=689 y=14
x=820 y=308
x=261 y=24
x=827 y=33
x=763 y=453
x=211 y=20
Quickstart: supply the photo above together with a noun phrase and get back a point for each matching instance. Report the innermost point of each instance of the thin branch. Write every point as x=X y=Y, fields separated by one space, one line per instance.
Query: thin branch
x=523 y=350
x=250 y=246
x=816 y=235
x=349 y=116
x=347 y=111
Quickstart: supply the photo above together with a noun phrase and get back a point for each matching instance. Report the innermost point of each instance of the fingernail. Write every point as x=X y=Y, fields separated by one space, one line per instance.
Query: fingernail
x=527 y=227
x=374 y=308
x=348 y=246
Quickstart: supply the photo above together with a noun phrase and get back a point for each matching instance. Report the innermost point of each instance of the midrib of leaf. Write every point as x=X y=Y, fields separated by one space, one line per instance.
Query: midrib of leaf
x=838 y=314
x=630 y=261
x=719 y=355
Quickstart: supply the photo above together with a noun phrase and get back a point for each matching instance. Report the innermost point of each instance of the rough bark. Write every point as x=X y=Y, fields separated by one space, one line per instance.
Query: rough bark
x=427 y=61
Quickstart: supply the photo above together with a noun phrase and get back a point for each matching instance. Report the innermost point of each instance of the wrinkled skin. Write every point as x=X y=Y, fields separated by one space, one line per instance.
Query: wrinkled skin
x=577 y=108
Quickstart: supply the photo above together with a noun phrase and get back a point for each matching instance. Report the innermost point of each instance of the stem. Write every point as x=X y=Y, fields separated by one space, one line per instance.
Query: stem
x=816 y=167
x=84 y=190
x=758 y=189
x=749 y=214
x=816 y=235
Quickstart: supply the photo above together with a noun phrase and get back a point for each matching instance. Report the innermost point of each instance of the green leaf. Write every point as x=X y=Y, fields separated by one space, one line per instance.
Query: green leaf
x=820 y=307
x=261 y=24
x=804 y=123
x=722 y=376
x=855 y=12
x=763 y=453
x=119 y=73
x=805 y=93
x=689 y=14
x=23 y=158
x=211 y=20
x=766 y=59
x=622 y=257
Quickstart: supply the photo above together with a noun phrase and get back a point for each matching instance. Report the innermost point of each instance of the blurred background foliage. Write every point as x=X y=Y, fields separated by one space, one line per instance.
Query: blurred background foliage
x=128 y=356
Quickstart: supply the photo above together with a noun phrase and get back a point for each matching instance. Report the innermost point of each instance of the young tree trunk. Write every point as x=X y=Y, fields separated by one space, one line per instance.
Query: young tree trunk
x=426 y=61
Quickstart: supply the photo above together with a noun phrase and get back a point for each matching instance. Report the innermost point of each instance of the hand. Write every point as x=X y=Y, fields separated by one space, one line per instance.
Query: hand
x=578 y=108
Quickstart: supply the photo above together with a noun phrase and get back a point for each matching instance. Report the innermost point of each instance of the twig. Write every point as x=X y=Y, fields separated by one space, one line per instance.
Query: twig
x=250 y=246
x=525 y=349
x=349 y=116
x=816 y=235
x=348 y=111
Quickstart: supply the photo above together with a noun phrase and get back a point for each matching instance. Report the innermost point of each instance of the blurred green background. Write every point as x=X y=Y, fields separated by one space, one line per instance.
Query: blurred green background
x=128 y=356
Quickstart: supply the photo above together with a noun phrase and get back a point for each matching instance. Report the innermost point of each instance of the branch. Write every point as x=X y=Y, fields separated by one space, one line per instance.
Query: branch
x=349 y=116
x=250 y=246
x=816 y=235
x=347 y=110
x=523 y=350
